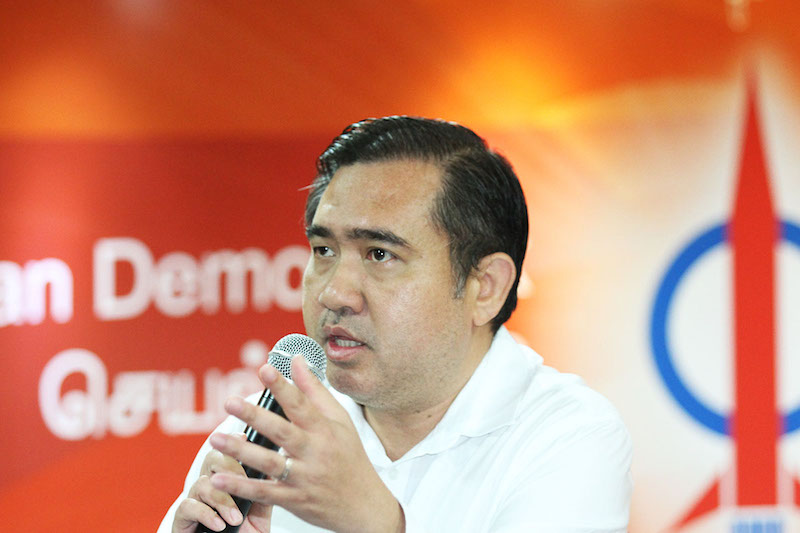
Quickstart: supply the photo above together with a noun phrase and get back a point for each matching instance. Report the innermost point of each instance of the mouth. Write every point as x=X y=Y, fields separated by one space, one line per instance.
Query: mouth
x=341 y=345
x=344 y=342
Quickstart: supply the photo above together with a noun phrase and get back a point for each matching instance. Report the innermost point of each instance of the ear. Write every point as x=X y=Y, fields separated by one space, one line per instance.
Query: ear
x=494 y=276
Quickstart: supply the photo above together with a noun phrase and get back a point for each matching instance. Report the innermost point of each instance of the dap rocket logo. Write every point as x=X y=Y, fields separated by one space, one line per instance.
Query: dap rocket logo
x=755 y=424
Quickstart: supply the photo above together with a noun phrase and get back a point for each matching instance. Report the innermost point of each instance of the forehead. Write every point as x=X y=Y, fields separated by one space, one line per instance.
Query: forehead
x=380 y=194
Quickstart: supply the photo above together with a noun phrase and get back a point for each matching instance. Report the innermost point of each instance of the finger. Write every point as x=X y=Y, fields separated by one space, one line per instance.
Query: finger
x=191 y=512
x=312 y=387
x=317 y=394
x=216 y=500
x=259 y=517
x=264 y=460
x=270 y=425
x=267 y=492
x=292 y=399
x=218 y=462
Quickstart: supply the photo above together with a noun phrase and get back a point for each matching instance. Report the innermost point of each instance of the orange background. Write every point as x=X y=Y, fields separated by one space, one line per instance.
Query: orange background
x=131 y=69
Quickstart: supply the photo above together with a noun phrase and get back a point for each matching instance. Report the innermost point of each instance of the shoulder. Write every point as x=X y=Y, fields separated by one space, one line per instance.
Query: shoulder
x=558 y=399
x=570 y=452
x=557 y=417
x=539 y=405
x=560 y=408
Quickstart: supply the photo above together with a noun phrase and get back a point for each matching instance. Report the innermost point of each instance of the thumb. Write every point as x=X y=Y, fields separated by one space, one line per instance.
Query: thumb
x=258 y=519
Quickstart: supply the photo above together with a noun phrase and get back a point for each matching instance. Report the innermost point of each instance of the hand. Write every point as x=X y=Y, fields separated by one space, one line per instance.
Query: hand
x=206 y=505
x=331 y=483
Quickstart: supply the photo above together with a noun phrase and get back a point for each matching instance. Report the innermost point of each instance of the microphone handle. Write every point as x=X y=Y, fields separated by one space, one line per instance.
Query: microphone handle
x=267 y=401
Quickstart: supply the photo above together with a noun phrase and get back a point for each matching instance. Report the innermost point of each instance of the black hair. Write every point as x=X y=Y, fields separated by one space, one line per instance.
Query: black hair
x=480 y=207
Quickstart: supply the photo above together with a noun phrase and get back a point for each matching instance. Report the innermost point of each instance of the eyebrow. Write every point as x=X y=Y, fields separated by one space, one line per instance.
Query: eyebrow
x=360 y=234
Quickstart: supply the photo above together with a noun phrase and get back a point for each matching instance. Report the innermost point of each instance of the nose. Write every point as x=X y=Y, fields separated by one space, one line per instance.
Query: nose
x=342 y=290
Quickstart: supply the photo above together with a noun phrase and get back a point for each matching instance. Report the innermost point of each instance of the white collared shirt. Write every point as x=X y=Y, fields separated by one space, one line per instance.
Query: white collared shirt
x=522 y=448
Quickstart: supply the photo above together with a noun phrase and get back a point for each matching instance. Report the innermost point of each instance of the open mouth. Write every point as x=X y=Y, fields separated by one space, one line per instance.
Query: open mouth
x=344 y=342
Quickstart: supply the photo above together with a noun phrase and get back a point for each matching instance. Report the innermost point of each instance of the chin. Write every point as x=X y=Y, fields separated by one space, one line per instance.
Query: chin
x=340 y=381
x=346 y=383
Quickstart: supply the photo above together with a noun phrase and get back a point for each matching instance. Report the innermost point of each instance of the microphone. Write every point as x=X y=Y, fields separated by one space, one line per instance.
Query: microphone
x=281 y=358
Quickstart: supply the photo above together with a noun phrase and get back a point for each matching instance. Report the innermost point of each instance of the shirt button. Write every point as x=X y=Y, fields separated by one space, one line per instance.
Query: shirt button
x=392 y=474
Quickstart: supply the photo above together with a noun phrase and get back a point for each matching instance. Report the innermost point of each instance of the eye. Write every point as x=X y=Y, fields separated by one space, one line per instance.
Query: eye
x=323 y=251
x=379 y=255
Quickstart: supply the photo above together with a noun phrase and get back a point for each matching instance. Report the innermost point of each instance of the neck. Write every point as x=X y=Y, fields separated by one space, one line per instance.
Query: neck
x=399 y=430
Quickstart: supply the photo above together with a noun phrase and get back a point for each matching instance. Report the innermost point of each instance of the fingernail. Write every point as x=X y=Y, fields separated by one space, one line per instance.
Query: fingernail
x=217 y=440
x=269 y=374
x=233 y=405
x=218 y=481
x=236 y=516
x=219 y=524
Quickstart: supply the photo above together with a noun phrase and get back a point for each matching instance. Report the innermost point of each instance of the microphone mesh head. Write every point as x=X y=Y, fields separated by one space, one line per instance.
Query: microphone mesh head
x=296 y=344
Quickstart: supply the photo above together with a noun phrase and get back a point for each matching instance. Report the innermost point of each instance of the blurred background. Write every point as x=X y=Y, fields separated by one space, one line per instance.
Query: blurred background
x=152 y=156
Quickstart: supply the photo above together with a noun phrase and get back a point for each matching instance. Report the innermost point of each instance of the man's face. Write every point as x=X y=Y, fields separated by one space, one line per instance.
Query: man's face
x=378 y=291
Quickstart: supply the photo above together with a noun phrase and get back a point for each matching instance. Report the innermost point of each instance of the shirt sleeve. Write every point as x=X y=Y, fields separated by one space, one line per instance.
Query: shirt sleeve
x=229 y=425
x=583 y=485
x=415 y=524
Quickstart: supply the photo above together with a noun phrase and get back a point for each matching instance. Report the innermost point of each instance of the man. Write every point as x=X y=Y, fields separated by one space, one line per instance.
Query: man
x=437 y=420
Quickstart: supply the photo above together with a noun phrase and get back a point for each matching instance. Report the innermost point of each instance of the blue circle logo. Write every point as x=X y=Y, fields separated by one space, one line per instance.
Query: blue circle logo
x=711 y=419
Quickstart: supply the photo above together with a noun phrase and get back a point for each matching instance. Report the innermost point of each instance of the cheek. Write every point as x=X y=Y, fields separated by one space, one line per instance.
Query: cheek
x=310 y=284
x=420 y=308
x=310 y=307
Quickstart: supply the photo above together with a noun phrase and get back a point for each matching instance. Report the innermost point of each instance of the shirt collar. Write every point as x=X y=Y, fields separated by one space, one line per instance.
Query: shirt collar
x=489 y=401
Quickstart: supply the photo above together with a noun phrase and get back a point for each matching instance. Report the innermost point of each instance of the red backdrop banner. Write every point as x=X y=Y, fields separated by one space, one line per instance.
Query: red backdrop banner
x=141 y=283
